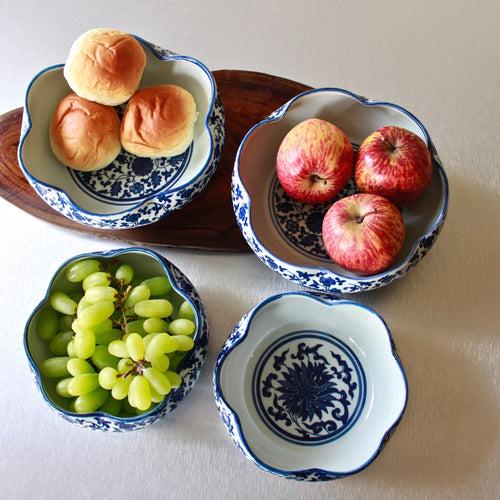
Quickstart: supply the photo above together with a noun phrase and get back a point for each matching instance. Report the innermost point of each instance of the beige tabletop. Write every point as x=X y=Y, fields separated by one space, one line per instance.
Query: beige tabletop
x=439 y=59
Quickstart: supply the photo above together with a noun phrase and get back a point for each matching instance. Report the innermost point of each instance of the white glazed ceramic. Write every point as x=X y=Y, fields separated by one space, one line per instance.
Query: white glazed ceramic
x=146 y=263
x=132 y=191
x=309 y=387
x=286 y=234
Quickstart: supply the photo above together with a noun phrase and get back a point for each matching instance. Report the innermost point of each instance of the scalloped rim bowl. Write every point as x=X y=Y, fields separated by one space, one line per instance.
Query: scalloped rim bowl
x=284 y=345
x=254 y=177
x=101 y=199
x=143 y=260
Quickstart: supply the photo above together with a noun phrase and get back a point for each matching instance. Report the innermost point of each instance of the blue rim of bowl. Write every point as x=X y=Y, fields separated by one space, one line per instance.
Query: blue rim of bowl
x=280 y=113
x=330 y=302
x=43 y=302
x=74 y=205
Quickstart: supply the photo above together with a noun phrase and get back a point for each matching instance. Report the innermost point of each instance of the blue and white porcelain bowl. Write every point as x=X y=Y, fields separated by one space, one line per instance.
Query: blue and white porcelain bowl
x=310 y=388
x=286 y=234
x=145 y=263
x=132 y=191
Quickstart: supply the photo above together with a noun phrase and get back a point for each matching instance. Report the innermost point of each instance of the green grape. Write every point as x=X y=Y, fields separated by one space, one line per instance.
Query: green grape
x=129 y=410
x=174 y=378
x=175 y=359
x=62 y=303
x=83 y=383
x=105 y=338
x=118 y=348
x=78 y=271
x=120 y=389
x=91 y=401
x=161 y=363
x=125 y=274
x=136 y=326
x=55 y=367
x=161 y=343
x=157 y=380
x=107 y=377
x=159 y=285
x=101 y=294
x=184 y=343
x=83 y=304
x=62 y=388
x=77 y=366
x=135 y=346
x=137 y=294
x=147 y=339
x=84 y=343
x=96 y=279
x=139 y=393
x=71 y=349
x=181 y=326
x=103 y=326
x=186 y=311
x=111 y=406
x=46 y=324
x=102 y=358
x=72 y=405
x=125 y=364
x=156 y=397
x=59 y=343
x=64 y=323
x=95 y=314
x=154 y=308
x=155 y=325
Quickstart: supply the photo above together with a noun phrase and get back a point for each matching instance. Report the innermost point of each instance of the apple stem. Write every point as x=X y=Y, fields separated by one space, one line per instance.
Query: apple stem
x=317 y=178
x=361 y=218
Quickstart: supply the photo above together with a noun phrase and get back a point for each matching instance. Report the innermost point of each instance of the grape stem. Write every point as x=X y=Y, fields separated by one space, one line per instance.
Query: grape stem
x=137 y=368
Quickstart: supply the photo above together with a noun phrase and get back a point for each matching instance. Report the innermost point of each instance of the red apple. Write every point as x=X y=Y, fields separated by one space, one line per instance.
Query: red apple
x=314 y=161
x=395 y=163
x=363 y=233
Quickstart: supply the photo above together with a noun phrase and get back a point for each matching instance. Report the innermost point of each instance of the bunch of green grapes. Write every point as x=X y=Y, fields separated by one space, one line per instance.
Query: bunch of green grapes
x=117 y=345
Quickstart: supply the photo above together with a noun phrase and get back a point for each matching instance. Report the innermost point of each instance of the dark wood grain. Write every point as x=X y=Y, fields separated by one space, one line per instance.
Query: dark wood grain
x=208 y=222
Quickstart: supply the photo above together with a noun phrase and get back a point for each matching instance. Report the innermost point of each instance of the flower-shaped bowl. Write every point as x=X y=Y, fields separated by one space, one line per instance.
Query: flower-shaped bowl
x=146 y=263
x=131 y=191
x=286 y=234
x=310 y=388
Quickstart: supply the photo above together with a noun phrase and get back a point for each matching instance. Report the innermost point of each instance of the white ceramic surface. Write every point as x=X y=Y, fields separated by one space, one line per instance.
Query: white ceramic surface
x=310 y=388
x=131 y=191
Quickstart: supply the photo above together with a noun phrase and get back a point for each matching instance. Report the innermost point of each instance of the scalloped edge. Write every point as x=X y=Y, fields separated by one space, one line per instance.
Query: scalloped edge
x=189 y=363
x=162 y=55
x=313 y=474
x=393 y=273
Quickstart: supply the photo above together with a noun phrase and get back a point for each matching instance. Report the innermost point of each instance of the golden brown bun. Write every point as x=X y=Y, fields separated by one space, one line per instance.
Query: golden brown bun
x=159 y=122
x=84 y=135
x=105 y=66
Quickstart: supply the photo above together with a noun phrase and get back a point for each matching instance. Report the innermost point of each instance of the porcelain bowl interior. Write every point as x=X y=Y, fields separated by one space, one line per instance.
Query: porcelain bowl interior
x=145 y=263
x=129 y=181
x=287 y=233
x=309 y=387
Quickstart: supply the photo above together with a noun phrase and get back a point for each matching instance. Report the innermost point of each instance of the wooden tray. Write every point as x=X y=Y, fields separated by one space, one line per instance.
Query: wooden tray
x=208 y=222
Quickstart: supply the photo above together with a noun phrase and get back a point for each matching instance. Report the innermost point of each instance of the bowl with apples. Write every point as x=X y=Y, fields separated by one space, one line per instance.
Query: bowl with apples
x=339 y=193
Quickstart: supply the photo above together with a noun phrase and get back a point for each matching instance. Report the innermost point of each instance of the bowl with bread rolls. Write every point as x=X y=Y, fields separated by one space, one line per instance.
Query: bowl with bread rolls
x=122 y=134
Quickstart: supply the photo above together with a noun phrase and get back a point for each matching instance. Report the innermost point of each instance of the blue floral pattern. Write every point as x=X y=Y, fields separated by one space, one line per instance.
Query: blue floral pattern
x=131 y=178
x=189 y=369
x=309 y=387
x=301 y=224
x=154 y=203
x=303 y=235
x=231 y=420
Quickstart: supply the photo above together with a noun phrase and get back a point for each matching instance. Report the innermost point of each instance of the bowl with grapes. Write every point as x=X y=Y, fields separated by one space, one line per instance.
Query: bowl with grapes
x=118 y=340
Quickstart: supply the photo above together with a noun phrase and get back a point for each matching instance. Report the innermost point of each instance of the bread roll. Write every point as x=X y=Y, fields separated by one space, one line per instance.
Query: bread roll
x=159 y=122
x=84 y=135
x=105 y=66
